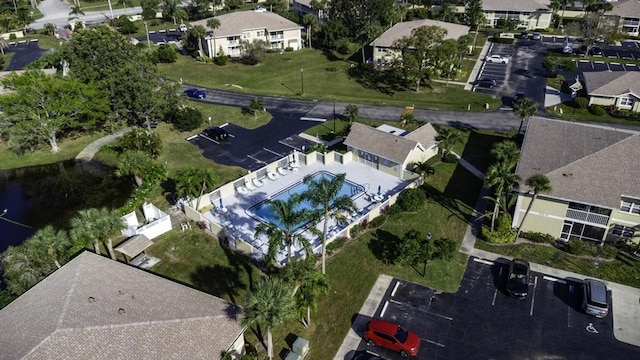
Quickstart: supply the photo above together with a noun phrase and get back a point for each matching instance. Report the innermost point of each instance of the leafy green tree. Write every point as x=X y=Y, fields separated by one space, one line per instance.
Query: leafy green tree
x=166 y=54
x=325 y=194
x=308 y=283
x=591 y=28
x=92 y=226
x=269 y=304
x=425 y=169
x=186 y=118
x=76 y=11
x=51 y=244
x=418 y=53
x=169 y=10
x=213 y=24
x=524 y=108
x=540 y=184
x=49 y=28
x=22 y=269
x=24 y=17
x=416 y=249
x=252 y=52
x=149 y=8
x=255 y=107
x=125 y=3
x=41 y=108
x=126 y=26
x=282 y=231
x=192 y=183
x=310 y=21
x=474 y=16
x=500 y=177
x=360 y=17
x=140 y=166
x=144 y=140
x=447 y=139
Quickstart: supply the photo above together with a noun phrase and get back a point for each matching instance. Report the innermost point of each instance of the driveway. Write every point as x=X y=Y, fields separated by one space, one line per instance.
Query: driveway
x=25 y=52
x=481 y=322
x=57 y=12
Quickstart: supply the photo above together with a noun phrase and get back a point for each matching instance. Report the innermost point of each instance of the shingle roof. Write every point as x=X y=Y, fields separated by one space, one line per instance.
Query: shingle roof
x=97 y=308
x=625 y=8
x=612 y=83
x=513 y=5
x=233 y=24
x=389 y=146
x=134 y=246
x=400 y=30
x=586 y=163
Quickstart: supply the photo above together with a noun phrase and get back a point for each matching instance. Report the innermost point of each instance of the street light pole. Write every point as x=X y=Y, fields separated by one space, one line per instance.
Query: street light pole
x=334 y=115
x=302 y=81
x=147 y=30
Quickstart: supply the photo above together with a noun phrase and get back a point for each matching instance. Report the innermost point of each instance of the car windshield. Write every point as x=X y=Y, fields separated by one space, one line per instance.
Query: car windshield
x=519 y=272
x=402 y=334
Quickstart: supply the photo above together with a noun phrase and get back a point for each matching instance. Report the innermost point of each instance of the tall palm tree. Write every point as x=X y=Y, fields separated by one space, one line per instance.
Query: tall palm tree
x=325 y=194
x=523 y=108
x=565 y=4
x=84 y=229
x=268 y=304
x=500 y=177
x=539 y=184
x=213 y=24
x=313 y=285
x=289 y=218
x=109 y=224
x=447 y=139
x=507 y=152
x=49 y=28
x=169 y=10
x=22 y=269
x=192 y=183
x=53 y=244
x=76 y=11
x=199 y=33
x=309 y=21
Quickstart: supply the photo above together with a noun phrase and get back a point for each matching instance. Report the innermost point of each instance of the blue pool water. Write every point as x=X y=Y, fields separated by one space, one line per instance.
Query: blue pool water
x=264 y=212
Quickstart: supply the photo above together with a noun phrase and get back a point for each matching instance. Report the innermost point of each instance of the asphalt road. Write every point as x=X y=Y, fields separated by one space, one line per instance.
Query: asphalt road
x=25 y=52
x=480 y=321
x=57 y=12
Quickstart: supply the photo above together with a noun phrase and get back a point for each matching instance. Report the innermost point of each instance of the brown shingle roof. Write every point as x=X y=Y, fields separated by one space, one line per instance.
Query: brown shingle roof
x=233 y=24
x=400 y=30
x=380 y=143
x=612 y=83
x=97 y=308
x=585 y=163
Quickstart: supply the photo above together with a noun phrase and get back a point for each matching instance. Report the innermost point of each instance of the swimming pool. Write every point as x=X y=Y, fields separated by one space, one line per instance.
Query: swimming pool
x=263 y=212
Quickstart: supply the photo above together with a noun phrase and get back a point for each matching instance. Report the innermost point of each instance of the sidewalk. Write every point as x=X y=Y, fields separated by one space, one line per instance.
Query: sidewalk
x=90 y=150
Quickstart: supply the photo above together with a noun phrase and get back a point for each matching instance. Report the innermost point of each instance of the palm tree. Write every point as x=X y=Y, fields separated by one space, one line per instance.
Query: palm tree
x=213 y=24
x=268 y=304
x=310 y=21
x=199 y=33
x=22 y=269
x=446 y=11
x=125 y=3
x=566 y=3
x=500 y=177
x=424 y=169
x=507 y=152
x=447 y=139
x=192 y=183
x=49 y=28
x=76 y=11
x=169 y=10
x=523 y=108
x=51 y=243
x=84 y=231
x=140 y=166
x=539 y=184
x=325 y=193
x=109 y=224
x=314 y=283
x=289 y=219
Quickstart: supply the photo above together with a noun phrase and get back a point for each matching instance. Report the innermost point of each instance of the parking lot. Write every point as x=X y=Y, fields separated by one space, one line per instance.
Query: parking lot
x=481 y=322
x=497 y=71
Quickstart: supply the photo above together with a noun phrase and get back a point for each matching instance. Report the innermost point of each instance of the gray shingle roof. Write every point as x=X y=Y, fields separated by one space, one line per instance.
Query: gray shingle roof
x=97 y=308
x=233 y=24
x=389 y=146
x=612 y=83
x=513 y=5
x=586 y=163
x=400 y=30
x=625 y=8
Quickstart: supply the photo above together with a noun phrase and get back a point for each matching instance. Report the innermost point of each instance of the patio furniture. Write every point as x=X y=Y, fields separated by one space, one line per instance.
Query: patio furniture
x=242 y=190
x=282 y=171
x=249 y=186
x=257 y=183
x=273 y=176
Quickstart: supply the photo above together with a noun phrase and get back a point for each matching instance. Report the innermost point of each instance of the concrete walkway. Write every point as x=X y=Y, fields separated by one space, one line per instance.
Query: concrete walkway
x=90 y=150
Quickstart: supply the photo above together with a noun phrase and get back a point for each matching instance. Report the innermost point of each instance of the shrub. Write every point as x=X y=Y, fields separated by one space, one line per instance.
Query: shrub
x=609 y=251
x=451 y=159
x=343 y=46
x=221 y=59
x=580 y=103
x=187 y=119
x=166 y=54
x=288 y=49
x=411 y=199
x=331 y=68
x=378 y=221
x=336 y=244
x=394 y=209
x=597 y=110
x=444 y=248
x=538 y=237
x=125 y=26
x=12 y=36
x=355 y=231
x=576 y=246
x=502 y=234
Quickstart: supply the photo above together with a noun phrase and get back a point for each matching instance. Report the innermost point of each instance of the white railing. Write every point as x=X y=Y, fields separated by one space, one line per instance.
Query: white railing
x=587 y=217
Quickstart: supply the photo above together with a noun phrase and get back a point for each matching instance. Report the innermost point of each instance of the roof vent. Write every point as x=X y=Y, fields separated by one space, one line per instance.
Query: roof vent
x=92 y=299
x=567 y=174
x=121 y=311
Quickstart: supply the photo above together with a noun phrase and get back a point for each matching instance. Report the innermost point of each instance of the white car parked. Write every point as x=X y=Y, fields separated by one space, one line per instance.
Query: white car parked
x=259 y=9
x=497 y=59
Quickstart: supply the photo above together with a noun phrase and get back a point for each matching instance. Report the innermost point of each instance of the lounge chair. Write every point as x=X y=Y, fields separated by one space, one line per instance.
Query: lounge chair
x=257 y=182
x=249 y=186
x=273 y=176
x=242 y=190
x=282 y=171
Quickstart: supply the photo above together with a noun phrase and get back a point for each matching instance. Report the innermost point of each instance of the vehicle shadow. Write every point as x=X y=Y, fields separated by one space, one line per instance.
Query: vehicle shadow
x=570 y=292
x=359 y=323
x=499 y=271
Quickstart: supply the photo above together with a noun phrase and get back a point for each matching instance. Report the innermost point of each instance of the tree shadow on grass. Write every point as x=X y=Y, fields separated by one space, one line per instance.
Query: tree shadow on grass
x=478 y=149
x=385 y=246
x=460 y=194
x=369 y=78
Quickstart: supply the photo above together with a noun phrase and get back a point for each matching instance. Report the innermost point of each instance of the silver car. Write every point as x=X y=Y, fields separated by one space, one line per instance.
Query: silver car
x=497 y=59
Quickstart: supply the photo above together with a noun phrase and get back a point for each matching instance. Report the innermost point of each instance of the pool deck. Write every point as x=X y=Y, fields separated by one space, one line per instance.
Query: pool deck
x=237 y=221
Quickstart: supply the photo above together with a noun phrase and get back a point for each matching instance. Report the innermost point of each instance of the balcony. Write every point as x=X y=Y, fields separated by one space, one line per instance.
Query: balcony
x=588 y=217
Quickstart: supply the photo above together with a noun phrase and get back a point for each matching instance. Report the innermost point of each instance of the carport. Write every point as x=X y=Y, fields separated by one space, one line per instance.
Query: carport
x=134 y=249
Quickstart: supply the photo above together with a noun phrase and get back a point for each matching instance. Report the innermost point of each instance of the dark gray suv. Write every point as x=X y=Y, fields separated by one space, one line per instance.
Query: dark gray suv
x=594 y=298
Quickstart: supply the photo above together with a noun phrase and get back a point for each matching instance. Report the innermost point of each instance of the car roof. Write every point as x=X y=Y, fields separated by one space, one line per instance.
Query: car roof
x=385 y=326
x=598 y=290
x=520 y=262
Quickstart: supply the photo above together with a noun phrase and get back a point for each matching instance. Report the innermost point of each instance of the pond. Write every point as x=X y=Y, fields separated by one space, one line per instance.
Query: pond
x=52 y=194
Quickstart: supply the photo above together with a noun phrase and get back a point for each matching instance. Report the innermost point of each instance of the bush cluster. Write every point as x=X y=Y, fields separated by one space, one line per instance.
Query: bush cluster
x=597 y=110
x=186 y=119
x=580 y=103
x=336 y=244
x=576 y=246
x=502 y=234
x=538 y=237
x=377 y=222
x=411 y=200
x=451 y=159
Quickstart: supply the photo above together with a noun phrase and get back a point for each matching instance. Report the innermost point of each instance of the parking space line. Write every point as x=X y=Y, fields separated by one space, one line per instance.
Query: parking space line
x=561 y=281
x=271 y=151
x=434 y=343
x=533 y=296
x=483 y=261
x=393 y=293
x=208 y=138
x=384 y=309
x=495 y=293
x=395 y=302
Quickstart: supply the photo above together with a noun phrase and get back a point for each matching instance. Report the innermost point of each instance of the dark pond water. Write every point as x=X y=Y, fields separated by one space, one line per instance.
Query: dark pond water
x=52 y=194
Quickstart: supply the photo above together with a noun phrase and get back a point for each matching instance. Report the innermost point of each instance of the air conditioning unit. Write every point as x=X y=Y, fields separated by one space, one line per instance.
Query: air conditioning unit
x=300 y=347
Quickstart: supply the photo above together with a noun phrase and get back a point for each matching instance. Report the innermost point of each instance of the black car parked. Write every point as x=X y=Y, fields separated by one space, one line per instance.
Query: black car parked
x=518 y=280
x=488 y=83
x=216 y=133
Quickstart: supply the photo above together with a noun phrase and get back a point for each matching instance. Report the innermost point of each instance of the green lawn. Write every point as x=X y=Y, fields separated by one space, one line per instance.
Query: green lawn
x=323 y=79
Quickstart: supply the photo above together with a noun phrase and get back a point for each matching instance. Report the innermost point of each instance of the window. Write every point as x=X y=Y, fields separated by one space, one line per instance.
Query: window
x=630 y=206
x=622 y=231
x=626 y=102
x=246 y=34
x=260 y=33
